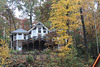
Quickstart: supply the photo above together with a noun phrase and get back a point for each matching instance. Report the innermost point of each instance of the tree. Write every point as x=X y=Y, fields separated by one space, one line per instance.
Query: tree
x=25 y=24
x=96 y=16
x=26 y=6
x=63 y=17
x=42 y=13
x=4 y=53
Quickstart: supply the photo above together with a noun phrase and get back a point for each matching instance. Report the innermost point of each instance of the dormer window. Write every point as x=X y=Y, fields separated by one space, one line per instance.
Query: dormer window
x=39 y=24
x=39 y=30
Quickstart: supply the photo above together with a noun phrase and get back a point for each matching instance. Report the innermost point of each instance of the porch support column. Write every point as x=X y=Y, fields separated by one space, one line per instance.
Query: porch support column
x=39 y=44
x=33 y=44
x=27 y=46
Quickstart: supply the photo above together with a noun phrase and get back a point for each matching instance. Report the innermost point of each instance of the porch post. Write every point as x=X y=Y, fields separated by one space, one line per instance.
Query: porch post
x=27 y=46
x=33 y=44
x=39 y=44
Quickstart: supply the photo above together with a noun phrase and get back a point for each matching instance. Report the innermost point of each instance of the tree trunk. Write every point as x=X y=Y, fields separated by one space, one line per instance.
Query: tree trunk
x=31 y=18
x=84 y=31
x=11 y=17
x=31 y=15
x=96 y=34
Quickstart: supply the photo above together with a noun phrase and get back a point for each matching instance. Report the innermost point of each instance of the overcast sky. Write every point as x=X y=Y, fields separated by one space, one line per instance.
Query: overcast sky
x=20 y=15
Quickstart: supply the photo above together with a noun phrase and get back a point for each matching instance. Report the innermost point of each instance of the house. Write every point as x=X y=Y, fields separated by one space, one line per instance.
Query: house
x=23 y=40
x=97 y=62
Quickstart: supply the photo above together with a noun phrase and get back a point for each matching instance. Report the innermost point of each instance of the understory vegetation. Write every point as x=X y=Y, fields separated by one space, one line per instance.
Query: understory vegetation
x=47 y=58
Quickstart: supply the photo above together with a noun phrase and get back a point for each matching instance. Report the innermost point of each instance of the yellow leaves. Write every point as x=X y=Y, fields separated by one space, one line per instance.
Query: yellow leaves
x=2 y=42
x=60 y=10
x=64 y=50
x=63 y=15
x=4 y=52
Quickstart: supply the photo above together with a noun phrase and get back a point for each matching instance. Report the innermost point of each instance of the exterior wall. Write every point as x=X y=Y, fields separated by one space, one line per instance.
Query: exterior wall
x=26 y=37
x=35 y=32
x=20 y=37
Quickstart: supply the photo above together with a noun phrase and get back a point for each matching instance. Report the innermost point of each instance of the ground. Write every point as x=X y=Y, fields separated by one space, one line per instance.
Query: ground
x=47 y=58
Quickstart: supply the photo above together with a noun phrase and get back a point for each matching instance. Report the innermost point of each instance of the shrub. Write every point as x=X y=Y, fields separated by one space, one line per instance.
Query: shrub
x=21 y=65
x=47 y=51
x=14 y=51
x=29 y=59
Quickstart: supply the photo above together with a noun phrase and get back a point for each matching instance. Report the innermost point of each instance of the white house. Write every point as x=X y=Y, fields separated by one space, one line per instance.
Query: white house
x=19 y=36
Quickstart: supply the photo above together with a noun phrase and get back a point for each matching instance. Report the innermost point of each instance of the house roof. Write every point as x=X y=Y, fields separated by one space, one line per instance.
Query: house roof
x=24 y=31
x=96 y=61
x=36 y=25
x=19 y=31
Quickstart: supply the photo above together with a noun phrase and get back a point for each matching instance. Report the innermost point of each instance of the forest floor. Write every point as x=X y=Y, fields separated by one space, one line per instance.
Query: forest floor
x=43 y=59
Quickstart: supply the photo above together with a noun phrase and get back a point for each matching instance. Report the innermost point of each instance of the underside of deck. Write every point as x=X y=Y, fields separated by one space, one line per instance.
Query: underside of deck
x=30 y=45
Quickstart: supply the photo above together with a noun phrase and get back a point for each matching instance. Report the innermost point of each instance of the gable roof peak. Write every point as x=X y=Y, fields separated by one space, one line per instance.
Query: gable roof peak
x=36 y=25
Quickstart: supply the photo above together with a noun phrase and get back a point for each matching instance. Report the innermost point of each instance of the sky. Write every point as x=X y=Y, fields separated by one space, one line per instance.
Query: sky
x=19 y=14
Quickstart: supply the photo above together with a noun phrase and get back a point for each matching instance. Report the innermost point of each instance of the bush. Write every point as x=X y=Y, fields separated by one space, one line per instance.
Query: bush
x=47 y=51
x=14 y=51
x=29 y=59
x=21 y=65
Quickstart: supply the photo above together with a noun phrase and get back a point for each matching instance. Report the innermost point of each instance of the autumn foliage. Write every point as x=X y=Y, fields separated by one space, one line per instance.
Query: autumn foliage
x=4 y=53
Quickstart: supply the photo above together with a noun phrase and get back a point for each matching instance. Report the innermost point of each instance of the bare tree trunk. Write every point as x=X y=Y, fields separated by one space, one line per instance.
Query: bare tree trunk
x=13 y=21
x=11 y=17
x=84 y=31
x=31 y=18
x=31 y=14
x=96 y=34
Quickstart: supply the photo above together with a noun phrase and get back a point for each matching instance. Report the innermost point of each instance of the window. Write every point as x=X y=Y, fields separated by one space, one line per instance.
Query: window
x=39 y=24
x=39 y=30
x=44 y=31
x=19 y=34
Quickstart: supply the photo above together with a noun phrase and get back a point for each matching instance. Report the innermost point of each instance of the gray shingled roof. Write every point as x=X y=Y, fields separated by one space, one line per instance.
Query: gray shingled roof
x=20 y=31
